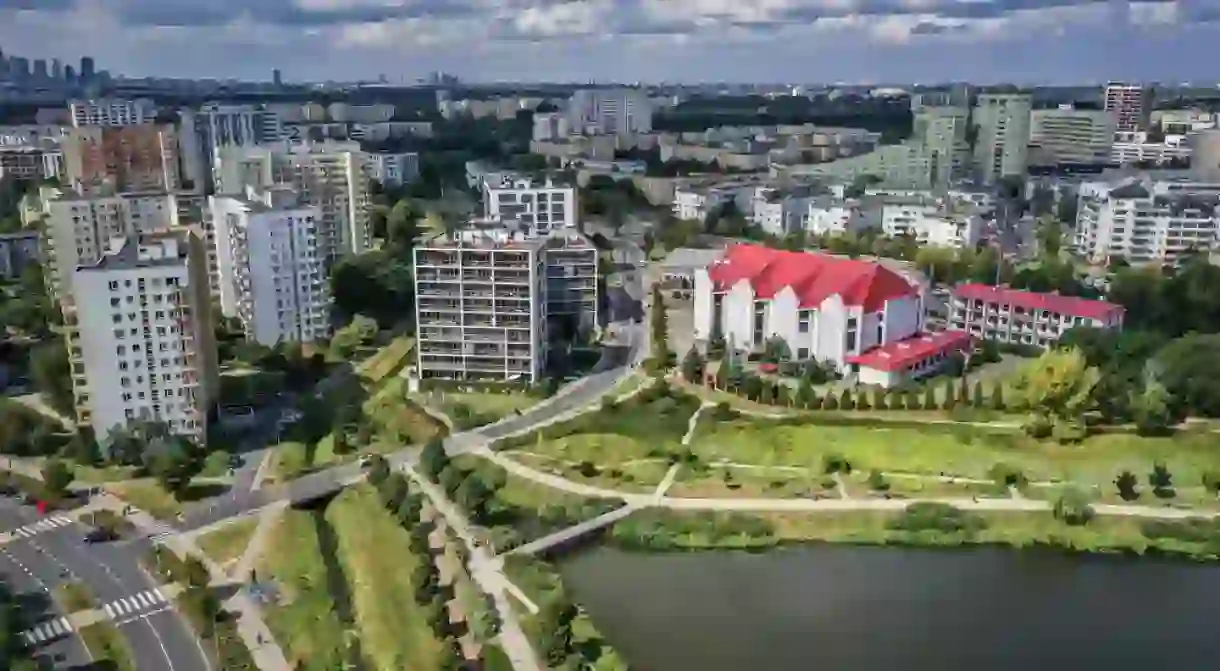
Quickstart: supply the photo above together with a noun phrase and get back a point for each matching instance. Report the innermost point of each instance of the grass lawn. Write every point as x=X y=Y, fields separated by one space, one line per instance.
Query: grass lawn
x=386 y=361
x=104 y=642
x=958 y=450
x=398 y=417
x=642 y=475
x=149 y=496
x=752 y=483
x=105 y=474
x=376 y=556
x=303 y=619
x=228 y=543
x=74 y=596
x=924 y=488
x=471 y=409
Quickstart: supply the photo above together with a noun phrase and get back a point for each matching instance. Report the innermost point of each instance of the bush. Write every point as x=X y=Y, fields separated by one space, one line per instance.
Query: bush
x=1007 y=476
x=876 y=481
x=1072 y=507
x=835 y=463
x=939 y=517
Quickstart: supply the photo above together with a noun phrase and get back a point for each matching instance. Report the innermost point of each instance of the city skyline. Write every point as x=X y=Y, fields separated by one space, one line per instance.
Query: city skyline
x=629 y=40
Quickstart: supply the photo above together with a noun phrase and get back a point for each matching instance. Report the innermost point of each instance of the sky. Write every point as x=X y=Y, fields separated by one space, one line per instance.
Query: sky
x=774 y=41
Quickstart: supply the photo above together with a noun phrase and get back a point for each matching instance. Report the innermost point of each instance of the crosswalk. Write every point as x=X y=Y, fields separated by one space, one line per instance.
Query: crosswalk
x=134 y=604
x=47 y=631
x=40 y=526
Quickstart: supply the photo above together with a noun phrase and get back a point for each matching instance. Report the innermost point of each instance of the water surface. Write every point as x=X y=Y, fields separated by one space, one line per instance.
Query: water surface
x=846 y=608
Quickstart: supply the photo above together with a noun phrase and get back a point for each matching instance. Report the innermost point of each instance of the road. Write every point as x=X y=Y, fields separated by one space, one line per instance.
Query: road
x=160 y=639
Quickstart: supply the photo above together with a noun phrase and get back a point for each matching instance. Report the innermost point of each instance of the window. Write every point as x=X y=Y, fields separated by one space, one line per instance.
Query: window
x=803 y=319
x=802 y=353
x=852 y=325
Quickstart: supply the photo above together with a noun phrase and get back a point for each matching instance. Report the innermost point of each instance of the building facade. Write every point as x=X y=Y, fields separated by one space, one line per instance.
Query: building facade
x=1025 y=317
x=1146 y=222
x=932 y=224
x=121 y=159
x=18 y=251
x=620 y=111
x=111 y=112
x=215 y=125
x=271 y=275
x=1002 y=143
x=31 y=163
x=1071 y=136
x=941 y=132
x=1130 y=104
x=571 y=281
x=481 y=307
x=392 y=169
x=141 y=342
x=542 y=207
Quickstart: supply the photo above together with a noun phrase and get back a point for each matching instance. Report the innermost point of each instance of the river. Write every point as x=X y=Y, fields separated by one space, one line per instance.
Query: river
x=848 y=608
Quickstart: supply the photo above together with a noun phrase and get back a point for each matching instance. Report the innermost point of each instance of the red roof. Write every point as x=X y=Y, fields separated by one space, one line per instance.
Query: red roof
x=1030 y=300
x=898 y=355
x=813 y=277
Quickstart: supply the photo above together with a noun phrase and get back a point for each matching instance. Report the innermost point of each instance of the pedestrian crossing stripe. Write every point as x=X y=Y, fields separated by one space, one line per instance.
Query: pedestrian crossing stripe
x=47 y=631
x=41 y=526
x=133 y=604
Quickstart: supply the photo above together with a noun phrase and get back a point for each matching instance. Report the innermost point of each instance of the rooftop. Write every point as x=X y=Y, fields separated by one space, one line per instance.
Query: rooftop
x=1068 y=305
x=899 y=355
x=812 y=277
x=141 y=251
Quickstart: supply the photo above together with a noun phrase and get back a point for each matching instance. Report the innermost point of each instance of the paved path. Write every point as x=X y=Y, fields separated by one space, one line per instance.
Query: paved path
x=573 y=532
x=487 y=574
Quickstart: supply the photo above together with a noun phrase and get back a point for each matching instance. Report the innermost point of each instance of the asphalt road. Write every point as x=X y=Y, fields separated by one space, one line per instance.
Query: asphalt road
x=160 y=639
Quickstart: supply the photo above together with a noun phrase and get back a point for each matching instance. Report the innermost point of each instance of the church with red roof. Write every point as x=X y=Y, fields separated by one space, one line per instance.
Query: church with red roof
x=863 y=317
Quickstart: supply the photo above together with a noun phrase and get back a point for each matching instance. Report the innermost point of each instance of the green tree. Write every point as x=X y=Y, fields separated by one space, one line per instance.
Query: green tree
x=692 y=366
x=659 y=331
x=879 y=401
x=56 y=476
x=433 y=459
x=555 y=629
x=1073 y=508
x=1057 y=388
x=805 y=394
x=472 y=495
x=172 y=460
x=410 y=509
x=978 y=401
x=1161 y=481
x=997 y=396
x=929 y=397
x=1151 y=406
x=1126 y=483
x=950 y=399
x=877 y=482
x=451 y=479
x=1211 y=482
x=402 y=227
x=51 y=374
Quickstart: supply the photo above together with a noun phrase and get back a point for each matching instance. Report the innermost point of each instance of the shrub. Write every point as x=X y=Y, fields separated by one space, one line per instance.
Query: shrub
x=1007 y=476
x=1072 y=507
x=835 y=463
x=925 y=516
x=831 y=402
x=876 y=481
x=845 y=400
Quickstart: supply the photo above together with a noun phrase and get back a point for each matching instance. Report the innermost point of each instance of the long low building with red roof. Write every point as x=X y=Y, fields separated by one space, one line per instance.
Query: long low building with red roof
x=835 y=310
x=1025 y=317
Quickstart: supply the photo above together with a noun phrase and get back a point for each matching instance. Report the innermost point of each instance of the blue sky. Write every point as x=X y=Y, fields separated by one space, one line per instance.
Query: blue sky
x=1024 y=41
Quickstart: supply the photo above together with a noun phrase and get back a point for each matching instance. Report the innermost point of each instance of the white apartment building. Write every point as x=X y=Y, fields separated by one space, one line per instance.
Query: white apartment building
x=31 y=163
x=272 y=277
x=1130 y=104
x=619 y=111
x=141 y=344
x=391 y=168
x=941 y=133
x=1131 y=147
x=1002 y=145
x=480 y=309
x=778 y=212
x=542 y=207
x=1025 y=317
x=328 y=175
x=931 y=223
x=907 y=166
x=696 y=202
x=550 y=127
x=859 y=316
x=1071 y=136
x=834 y=216
x=1146 y=221
x=111 y=112
x=217 y=125
x=79 y=229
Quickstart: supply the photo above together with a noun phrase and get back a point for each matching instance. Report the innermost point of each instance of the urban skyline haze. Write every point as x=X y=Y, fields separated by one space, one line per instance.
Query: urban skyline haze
x=1023 y=41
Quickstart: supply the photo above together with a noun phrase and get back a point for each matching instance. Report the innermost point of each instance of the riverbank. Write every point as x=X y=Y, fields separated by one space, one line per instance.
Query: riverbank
x=673 y=531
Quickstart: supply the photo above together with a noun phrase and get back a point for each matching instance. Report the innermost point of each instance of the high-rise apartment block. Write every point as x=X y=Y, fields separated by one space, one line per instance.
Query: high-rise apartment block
x=111 y=112
x=79 y=229
x=619 y=111
x=329 y=176
x=121 y=159
x=941 y=132
x=215 y=125
x=541 y=207
x=480 y=307
x=1130 y=104
x=571 y=281
x=1001 y=122
x=1147 y=222
x=141 y=344
x=271 y=275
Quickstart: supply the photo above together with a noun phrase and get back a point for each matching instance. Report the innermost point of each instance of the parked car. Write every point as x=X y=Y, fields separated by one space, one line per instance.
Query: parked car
x=100 y=535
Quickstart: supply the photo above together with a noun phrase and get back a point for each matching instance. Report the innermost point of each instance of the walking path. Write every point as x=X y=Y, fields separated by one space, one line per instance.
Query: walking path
x=488 y=575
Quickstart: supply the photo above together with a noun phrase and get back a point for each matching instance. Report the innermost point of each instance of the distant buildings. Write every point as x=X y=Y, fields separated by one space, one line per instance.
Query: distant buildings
x=1130 y=104
x=390 y=168
x=541 y=207
x=620 y=111
x=30 y=162
x=1146 y=222
x=111 y=112
x=1067 y=136
x=1001 y=145
x=141 y=344
x=139 y=158
x=1025 y=317
x=18 y=251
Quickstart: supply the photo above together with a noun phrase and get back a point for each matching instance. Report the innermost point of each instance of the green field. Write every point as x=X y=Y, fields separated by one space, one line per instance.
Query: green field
x=303 y=619
x=228 y=542
x=470 y=409
x=104 y=641
x=961 y=451
x=376 y=557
